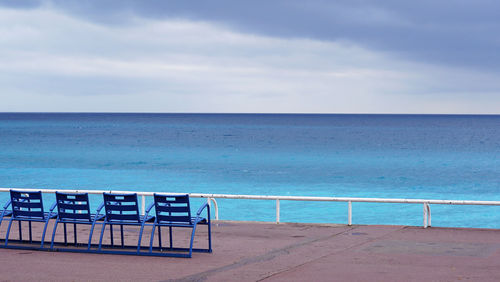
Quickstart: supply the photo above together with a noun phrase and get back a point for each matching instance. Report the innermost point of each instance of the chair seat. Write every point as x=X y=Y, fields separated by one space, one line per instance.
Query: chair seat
x=150 y=218
x=201 y=220
x=7 y=213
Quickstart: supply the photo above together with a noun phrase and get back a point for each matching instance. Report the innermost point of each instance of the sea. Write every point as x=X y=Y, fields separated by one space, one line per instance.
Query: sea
x=449 y=157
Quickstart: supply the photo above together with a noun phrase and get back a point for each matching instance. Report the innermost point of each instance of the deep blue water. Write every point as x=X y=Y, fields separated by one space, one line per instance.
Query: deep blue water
x=387 y=156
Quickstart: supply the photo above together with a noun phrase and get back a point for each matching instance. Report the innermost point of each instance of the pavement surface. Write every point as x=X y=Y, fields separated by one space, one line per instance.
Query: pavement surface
x=249 y=251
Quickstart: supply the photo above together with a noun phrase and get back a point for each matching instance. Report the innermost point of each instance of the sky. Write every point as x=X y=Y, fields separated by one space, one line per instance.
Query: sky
x=259 y=56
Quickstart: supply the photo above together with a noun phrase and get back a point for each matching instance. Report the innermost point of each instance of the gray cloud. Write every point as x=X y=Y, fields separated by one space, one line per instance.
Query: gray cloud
x=21 y=4
x=457 y=33
x=71 y=56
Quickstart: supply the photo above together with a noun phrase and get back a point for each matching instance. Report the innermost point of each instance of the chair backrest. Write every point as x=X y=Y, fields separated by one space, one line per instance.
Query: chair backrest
x=121 y=207
x=27 y=204
x=73 y=206
x=172 y=208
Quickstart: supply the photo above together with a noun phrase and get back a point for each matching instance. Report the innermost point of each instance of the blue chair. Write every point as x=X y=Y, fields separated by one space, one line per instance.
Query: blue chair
x=28 y=206
x=123 y=209
x=174 y=211
x=74 y=208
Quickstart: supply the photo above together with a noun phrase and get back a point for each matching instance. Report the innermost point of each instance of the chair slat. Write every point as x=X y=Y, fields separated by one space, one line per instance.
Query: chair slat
x=77 y=197
x=76 y=207
x=29 y=205
x=122 y=208
x=173 y=209
x=26 y=195
x=132 y=217
x=172 y=199
x=120 y=197
x=186 y=219
x=37 y=214
x=64 y=215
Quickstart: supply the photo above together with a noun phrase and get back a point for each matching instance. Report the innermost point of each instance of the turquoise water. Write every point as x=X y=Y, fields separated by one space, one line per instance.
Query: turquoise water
x=386 y=156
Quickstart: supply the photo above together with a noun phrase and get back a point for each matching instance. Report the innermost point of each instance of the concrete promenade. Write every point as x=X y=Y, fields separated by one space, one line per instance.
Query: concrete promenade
x=247 y=251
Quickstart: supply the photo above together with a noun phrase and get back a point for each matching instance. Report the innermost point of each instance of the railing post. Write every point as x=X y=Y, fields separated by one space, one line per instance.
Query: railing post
x=425 y=215
x=428 y=214
x=143 y=207
x=216 y=208
x=349 y=213
x=277 y=211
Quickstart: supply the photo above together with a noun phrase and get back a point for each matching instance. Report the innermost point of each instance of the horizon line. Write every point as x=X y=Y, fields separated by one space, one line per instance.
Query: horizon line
x=255 y=113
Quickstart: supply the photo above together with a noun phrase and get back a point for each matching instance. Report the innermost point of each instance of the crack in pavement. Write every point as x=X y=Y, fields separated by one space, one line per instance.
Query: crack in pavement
x=343 y=250
x=260 y=258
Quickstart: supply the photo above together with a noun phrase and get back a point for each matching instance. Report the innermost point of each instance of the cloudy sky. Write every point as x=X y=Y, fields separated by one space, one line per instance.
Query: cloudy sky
x=259 y=56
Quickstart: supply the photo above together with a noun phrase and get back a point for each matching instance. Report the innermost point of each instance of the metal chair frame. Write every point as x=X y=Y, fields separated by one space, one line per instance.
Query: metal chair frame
x=28 y=206
x=123 y=209
x=174 y=211
x=74 y=208
x=119 y=209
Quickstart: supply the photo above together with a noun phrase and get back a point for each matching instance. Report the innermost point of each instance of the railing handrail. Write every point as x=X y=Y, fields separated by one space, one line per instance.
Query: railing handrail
x=211 y=199
x=275 y=197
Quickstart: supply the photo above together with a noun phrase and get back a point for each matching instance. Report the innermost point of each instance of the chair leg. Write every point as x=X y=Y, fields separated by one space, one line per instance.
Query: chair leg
x=209 y=231
x=20 y=230
x=170 y=233
x=192 y=239
x=152 y=238
x=90 y=236
x=111 y=235
x=31 y=234
x=121 y=235
x=53 y=235
x=8 y=231
x=75 y=234
x=45 y=230
x=159 y=237
x=102 y=234
x=65 y=235
x=209 y=237
x=140 y=237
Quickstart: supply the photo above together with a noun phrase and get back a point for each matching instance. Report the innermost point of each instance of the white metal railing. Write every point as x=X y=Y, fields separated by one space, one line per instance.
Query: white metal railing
x=211 y=199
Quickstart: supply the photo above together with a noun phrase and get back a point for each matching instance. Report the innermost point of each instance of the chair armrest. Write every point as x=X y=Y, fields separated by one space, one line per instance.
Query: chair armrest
x=6 y=205
x=201 y=209
x=53 y=206
x=147 y=213
x=100 y=208
x=51 y=211
x=148 y=209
